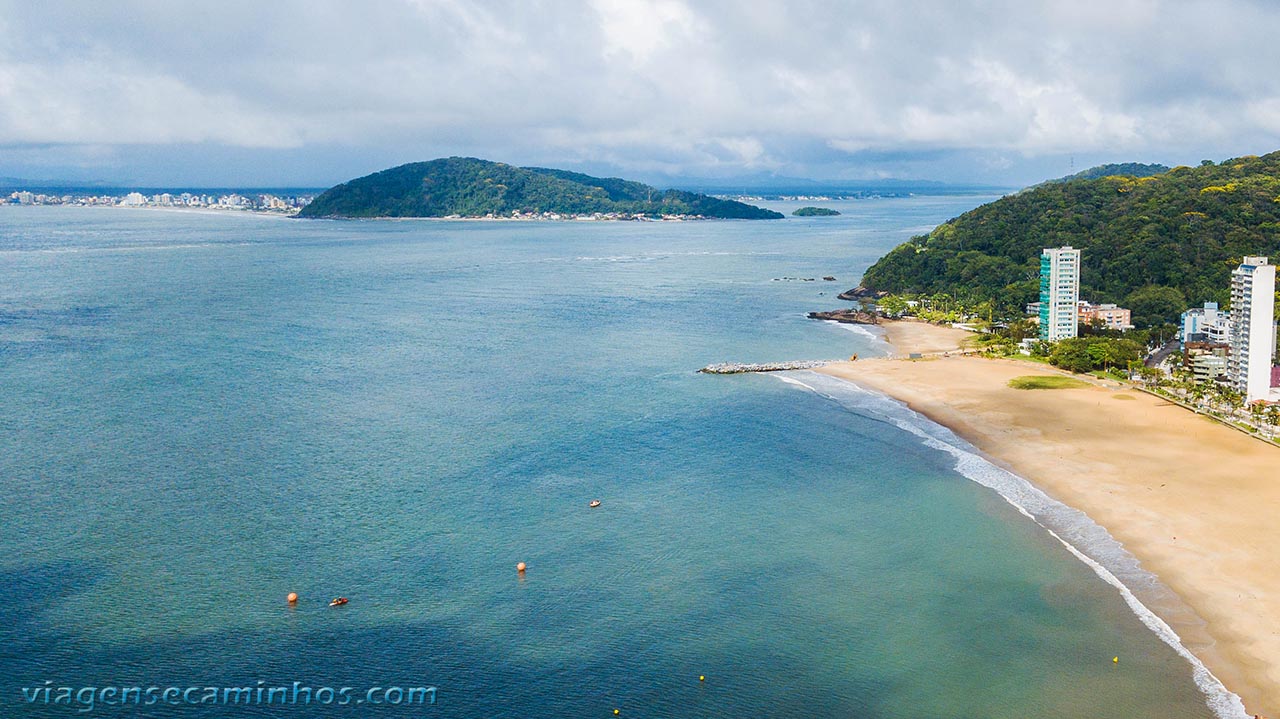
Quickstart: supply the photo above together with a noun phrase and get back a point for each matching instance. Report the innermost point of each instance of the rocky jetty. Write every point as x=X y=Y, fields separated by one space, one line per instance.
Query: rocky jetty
x=739 y=368
x=853 y=317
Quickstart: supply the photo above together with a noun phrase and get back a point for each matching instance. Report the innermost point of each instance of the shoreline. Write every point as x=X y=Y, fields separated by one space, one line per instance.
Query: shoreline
x=1184 y=496
x=207 y=210
x=218 y=211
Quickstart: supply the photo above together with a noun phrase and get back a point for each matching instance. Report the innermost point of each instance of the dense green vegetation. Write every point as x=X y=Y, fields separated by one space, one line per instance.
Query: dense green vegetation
x=1130 y=169
x=1046 y=381
x=1155 y=244
x=1086 y=354
x=815 y=212
x=469 y=187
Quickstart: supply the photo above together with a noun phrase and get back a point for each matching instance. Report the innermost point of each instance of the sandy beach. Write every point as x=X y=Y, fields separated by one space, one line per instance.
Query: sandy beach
x=908 y=336
x=1196 y=502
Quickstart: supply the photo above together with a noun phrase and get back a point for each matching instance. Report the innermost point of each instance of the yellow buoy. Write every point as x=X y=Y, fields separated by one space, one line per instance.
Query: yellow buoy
x=1115 y=660
x=701 y=678
x=617 y=711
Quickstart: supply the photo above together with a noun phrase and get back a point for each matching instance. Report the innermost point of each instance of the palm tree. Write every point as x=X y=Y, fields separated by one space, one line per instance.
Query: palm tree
x=1198 y=391
x=1257 y=409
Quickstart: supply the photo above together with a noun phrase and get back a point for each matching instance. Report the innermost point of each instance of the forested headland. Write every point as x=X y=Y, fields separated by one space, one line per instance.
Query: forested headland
x=469 y=187
x=1156 y=244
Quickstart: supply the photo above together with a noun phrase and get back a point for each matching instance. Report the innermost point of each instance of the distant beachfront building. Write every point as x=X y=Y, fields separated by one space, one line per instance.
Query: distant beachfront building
x=1206 y=324
x=1253 y=328
x=1108 y=315
x=1208 y=366
x=1059 y=292
x=134 y=199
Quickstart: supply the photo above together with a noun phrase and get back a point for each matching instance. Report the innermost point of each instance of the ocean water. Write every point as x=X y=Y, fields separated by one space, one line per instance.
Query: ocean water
x=203 y=413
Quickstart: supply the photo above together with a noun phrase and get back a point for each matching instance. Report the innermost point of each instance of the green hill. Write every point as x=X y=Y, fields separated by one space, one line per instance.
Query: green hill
x=1129 y=169
x=470 y=187
x=1156 y=244
x=815 y=212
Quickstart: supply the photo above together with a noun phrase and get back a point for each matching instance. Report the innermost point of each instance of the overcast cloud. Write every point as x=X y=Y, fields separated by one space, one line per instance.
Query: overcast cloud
x=315 y=92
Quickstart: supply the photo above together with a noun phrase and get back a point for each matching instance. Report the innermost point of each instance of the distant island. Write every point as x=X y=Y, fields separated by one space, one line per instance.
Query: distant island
x=815 y=212
x=1157 y=243
x=466 y=187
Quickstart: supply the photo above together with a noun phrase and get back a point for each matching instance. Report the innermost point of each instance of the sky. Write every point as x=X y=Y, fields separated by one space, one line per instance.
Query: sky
x=311 y=93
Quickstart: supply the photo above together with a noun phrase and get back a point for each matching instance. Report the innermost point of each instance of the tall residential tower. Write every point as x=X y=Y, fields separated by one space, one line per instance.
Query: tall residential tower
x=1253 y=328
x=1059 y=292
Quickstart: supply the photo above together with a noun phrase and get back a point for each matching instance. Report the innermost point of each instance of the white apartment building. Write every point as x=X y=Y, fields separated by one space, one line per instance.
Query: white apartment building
x=1059 y=292
x=1253 y=328
x=1208 y=367
x=1206 y=324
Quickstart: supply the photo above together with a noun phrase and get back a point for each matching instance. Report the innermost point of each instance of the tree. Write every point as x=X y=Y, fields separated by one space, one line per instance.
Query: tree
x=1228 y=397
x=1072 y=355
x=892 y=305
x=1022 y=329
x=1155 y=304
x=1257 y=411
x=1151 y=376
x=1085 y=354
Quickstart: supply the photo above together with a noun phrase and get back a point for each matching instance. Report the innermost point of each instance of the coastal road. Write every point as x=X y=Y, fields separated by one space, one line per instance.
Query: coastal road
x=1155 y=359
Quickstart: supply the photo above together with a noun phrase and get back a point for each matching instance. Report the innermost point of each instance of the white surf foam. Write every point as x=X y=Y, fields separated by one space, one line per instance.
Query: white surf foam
x=877 y=338
x=860 y=330
x=1085 y=539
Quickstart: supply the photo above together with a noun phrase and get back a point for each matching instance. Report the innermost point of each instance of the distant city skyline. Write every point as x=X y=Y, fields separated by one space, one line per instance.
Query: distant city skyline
x=294 y=94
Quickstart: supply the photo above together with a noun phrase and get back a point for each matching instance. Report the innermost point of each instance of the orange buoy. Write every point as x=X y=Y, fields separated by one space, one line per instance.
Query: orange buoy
x=520 y=567
x=293 y=597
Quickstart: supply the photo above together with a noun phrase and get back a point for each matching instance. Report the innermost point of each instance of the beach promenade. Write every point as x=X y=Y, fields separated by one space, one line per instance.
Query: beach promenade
x=1196 y=502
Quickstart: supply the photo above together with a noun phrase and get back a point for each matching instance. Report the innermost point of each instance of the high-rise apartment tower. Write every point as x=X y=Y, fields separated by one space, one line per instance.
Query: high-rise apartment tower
x=1253 y=328
x=1059 y=292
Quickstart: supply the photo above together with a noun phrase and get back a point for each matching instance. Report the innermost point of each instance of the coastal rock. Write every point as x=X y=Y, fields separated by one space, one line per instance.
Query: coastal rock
x=740 y=368
x=854 y=317
x=860 y=293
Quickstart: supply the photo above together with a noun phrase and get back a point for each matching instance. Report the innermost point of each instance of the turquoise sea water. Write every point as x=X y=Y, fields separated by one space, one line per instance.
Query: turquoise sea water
x=202 y=413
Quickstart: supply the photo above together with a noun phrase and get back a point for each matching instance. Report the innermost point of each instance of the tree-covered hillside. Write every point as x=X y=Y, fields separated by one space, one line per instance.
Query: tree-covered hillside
x=1130 y=169
x=1155 y=244
x=475 y=188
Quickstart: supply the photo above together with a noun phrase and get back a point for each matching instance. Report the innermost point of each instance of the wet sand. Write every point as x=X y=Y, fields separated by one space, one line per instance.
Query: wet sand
x=1196 y=502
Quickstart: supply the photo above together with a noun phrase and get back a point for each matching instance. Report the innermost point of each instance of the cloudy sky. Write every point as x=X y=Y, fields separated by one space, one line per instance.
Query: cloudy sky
x=313 y=92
